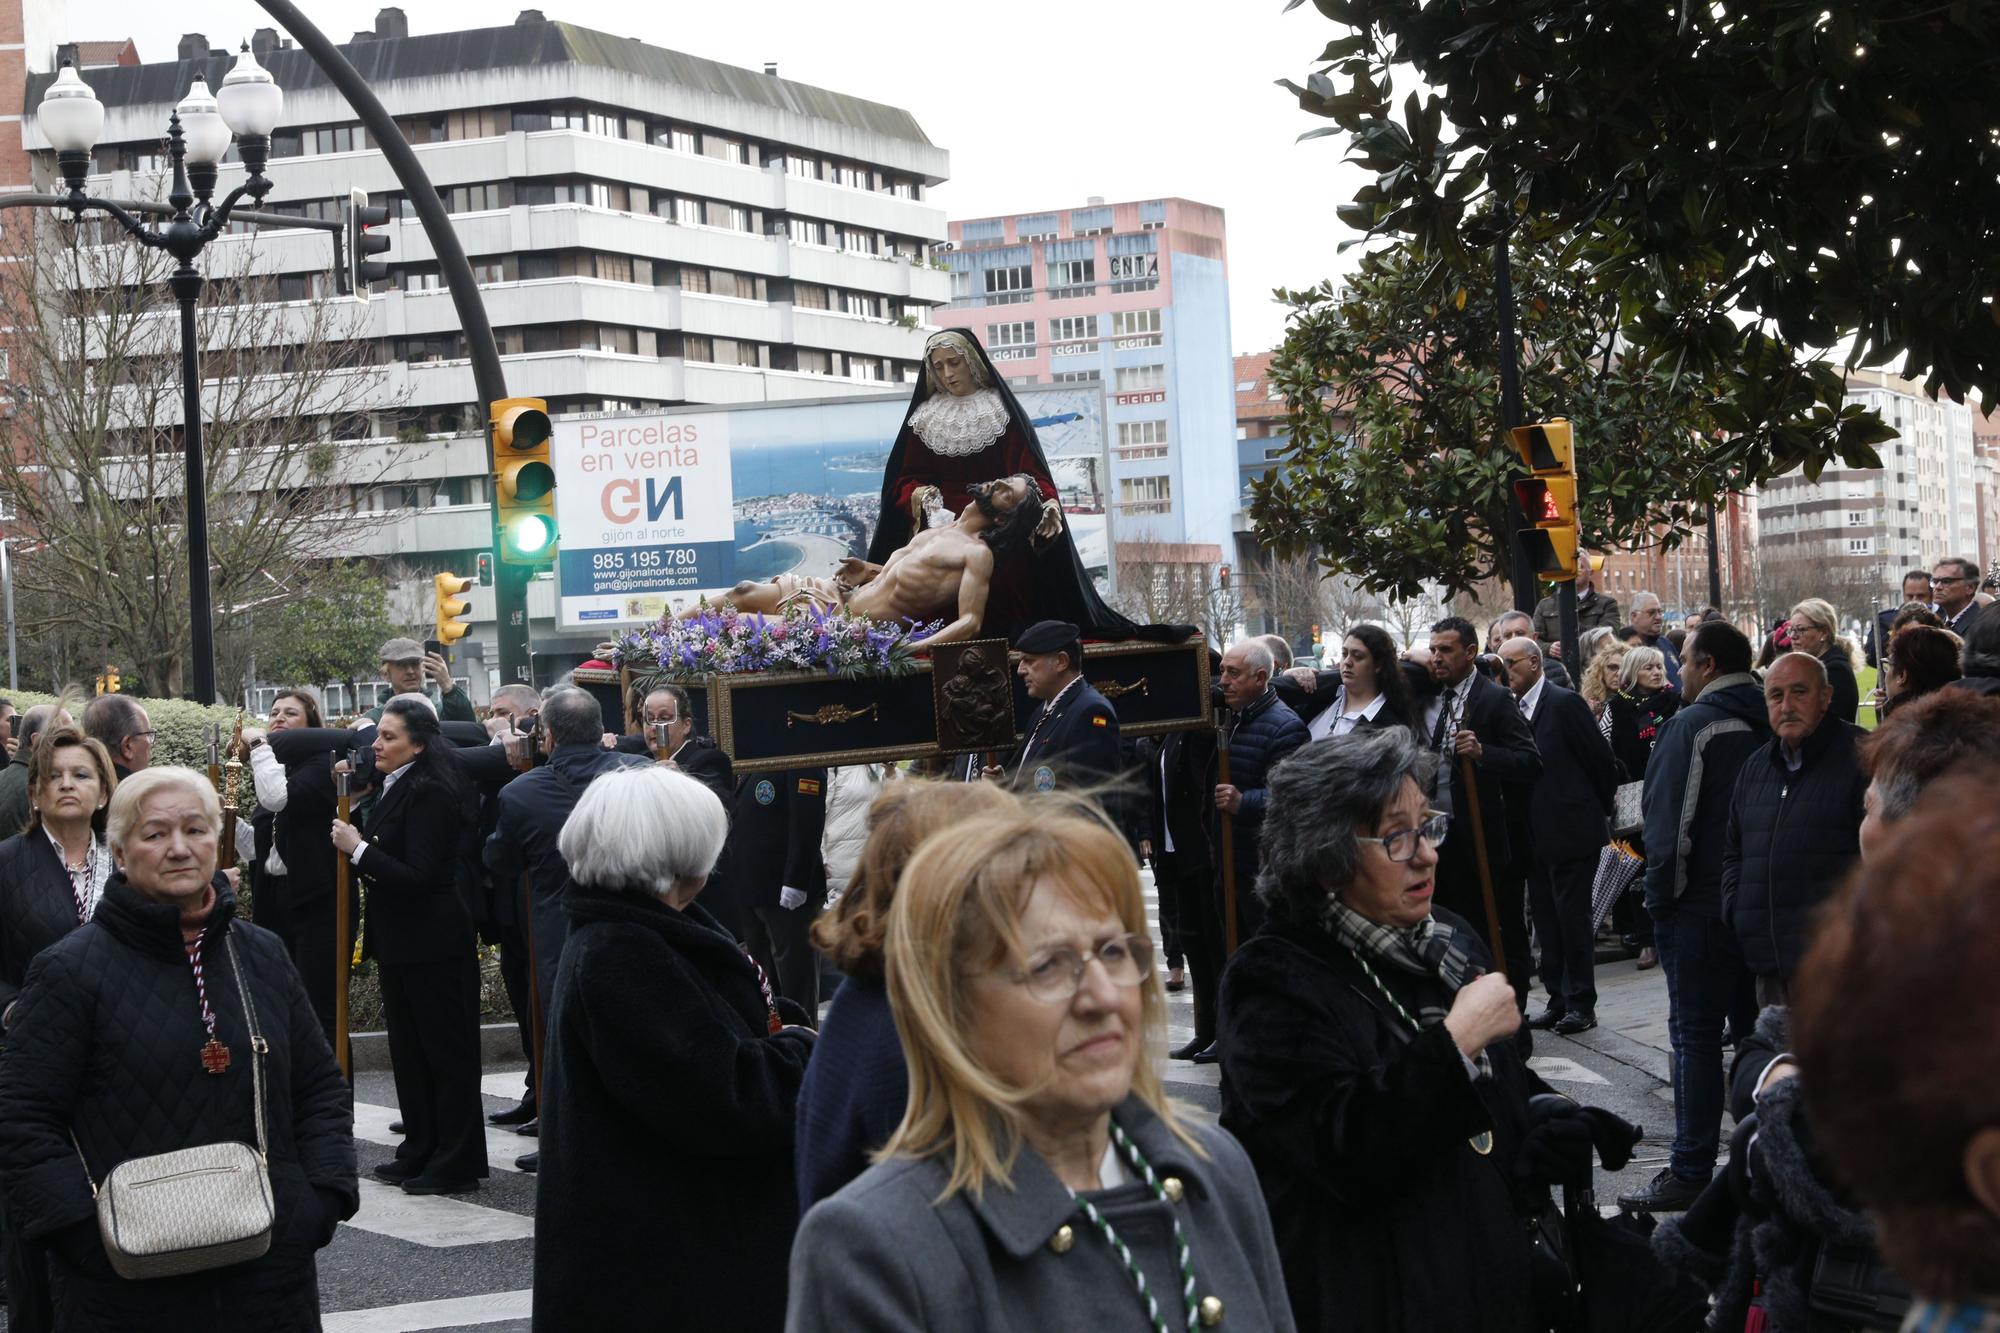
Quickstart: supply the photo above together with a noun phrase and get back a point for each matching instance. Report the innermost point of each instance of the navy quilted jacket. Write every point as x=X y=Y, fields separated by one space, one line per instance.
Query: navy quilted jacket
x=1265 y=732
x=106 y=1041
x=1792 y=839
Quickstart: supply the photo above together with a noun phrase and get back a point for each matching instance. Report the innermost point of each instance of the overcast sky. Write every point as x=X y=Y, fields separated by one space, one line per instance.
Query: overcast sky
x=1042 y=103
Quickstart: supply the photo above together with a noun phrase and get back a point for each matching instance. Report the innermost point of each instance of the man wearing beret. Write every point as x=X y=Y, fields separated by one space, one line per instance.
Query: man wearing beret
x=1073 y=736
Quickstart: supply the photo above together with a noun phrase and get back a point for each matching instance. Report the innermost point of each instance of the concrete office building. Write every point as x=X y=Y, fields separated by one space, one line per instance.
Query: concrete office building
x=1135 y=295
x=647 y=228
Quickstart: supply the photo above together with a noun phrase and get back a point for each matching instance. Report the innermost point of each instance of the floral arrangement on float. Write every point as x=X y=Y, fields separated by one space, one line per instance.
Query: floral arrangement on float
x=724 y=641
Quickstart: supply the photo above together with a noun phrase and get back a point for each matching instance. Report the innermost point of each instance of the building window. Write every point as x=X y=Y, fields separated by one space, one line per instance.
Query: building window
x=1142 y=439
x=1136 y=328
x=813 y=362
x=1134 y=379
x=809 y=296
x=1073 y=377
x=1146 y=495
x=1072 y=277
x=806 y=168
x=1009 y=286
x=1038 y=227
x=1011 y=342
x=697 y=347
x=1861 y=546
x=859 y=303
x=1134 y=273
x=1857 y=518
x=1079 y=332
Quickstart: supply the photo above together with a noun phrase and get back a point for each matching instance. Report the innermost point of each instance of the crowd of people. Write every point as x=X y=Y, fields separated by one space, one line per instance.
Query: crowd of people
x=1363 y=877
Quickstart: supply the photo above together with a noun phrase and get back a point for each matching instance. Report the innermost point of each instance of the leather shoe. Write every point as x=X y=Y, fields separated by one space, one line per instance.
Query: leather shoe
x=1664 y=1193
x=395 y=1127
x=514 y=1115
x=394 y=1172
x=1176 y=979
x=439 y=1185
x=1574 y=1022
x=1649 y=957
x=1548 y=1018
x=529 y=1162
x=1192 y=1049
x=1207 y=1055
x=531 y=1130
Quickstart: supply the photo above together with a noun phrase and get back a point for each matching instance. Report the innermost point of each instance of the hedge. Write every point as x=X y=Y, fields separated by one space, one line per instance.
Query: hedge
x=180 y=728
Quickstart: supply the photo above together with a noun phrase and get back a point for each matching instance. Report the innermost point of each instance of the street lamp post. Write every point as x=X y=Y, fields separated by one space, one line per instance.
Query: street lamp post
x=198 y=133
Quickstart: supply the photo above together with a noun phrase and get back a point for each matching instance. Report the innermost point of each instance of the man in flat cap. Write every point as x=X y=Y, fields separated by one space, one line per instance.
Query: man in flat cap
x=1073 y=737
x=411 y=670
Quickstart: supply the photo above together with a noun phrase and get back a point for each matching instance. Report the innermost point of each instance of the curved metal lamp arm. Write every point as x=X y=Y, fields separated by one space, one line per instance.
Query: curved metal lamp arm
x=79 y=203
x=216 y=216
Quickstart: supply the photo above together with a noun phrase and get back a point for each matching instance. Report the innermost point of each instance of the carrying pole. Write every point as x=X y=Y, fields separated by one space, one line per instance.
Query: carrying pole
x=1229 y=928
x=1468 y=791
x=343 y=943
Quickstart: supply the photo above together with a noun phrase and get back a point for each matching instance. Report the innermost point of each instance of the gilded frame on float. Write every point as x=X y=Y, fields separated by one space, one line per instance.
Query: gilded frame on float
x=1167 y=685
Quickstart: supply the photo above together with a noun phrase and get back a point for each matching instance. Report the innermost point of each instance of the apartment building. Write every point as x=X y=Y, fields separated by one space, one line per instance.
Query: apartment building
x=648 y=228
x=1135 y=295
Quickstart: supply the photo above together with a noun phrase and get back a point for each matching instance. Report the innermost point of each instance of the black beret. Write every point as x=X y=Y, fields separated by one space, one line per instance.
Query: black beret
x=1047 y=636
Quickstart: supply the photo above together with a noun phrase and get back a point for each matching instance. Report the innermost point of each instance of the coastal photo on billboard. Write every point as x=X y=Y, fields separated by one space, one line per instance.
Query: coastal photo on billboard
x=658 y=510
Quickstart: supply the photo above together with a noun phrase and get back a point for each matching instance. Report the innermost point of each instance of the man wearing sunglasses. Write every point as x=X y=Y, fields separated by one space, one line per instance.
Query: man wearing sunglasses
x=1567 y=823
x=1955 y=584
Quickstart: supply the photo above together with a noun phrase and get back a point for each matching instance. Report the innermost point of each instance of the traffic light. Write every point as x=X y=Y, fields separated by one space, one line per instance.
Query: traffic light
x=485 y=568
x=451 y=605
x=524 y=480
x=362 y=242
x=1548 y=498
x=108 y=682
x=1316 y=634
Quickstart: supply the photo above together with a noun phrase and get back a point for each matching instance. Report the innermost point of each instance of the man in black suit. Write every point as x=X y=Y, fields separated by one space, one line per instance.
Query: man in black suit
x=1178 y=773
x=777 y=882
x=668 y=705
x=1473 y=719
x=1916 y=588
x=1073 y=736
x=1955 y=584
x=1566 y=822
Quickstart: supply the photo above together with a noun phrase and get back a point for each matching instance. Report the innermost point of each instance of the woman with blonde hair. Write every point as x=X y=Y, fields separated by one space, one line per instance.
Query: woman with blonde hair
x=857 y=1084
x=1600 y=680
x=1815 y=629
x=1039 y=1178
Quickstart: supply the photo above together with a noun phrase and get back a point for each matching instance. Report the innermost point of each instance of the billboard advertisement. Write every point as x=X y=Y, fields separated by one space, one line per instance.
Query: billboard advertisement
x=659 y=509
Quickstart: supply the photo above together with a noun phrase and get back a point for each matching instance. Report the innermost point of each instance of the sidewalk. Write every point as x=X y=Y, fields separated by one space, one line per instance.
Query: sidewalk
x=1631 y=1018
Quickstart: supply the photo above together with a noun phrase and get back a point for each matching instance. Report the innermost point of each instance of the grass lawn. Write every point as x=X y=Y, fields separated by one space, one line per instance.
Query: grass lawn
x=1865 y=678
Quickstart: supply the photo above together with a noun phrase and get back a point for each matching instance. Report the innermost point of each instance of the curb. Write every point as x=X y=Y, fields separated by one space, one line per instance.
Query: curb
x=499 y=1044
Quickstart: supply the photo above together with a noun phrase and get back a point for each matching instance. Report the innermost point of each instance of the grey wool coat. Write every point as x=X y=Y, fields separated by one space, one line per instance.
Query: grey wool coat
x=881 y=1256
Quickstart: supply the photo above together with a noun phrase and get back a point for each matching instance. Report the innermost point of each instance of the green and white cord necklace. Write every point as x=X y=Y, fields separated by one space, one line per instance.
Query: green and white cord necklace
x=1482 y=1142
x=1130 y=1151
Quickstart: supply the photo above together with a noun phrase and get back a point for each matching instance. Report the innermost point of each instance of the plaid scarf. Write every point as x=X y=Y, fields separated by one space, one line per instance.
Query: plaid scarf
x=1430 y=949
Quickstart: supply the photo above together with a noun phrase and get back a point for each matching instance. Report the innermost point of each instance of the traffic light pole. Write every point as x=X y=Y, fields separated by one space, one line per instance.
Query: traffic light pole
x=510 y=590
x=1523 y=575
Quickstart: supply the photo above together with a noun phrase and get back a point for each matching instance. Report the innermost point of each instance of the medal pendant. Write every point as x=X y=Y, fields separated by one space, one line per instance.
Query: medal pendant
x=1482 y=1142
x=774 y=1024
x=214 y=1056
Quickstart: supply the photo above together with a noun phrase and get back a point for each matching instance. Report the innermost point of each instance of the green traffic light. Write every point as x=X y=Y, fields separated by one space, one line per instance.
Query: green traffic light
x=531 y=534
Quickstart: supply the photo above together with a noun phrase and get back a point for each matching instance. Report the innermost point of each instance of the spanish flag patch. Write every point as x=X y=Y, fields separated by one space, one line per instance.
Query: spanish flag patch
x=1100 y=721
x=808 y=786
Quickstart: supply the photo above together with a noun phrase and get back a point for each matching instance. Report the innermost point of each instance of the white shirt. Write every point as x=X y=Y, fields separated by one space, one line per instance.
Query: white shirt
x=89 y=890
x=1338 y=719
x=1166 y=825
x=1532 y=699
x=1454 y=698
x=388 y=781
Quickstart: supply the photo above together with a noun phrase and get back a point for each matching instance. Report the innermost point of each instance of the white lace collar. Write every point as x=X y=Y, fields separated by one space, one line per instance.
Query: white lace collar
x=960 y=427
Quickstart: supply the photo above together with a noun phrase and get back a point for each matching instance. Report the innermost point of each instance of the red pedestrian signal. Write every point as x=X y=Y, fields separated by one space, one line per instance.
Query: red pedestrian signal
x=1548 y=498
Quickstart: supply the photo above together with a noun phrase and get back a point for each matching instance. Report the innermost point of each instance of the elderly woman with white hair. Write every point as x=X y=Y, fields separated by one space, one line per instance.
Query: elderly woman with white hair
x=666 y=1194
x=1815 y=629
x=134 y=1036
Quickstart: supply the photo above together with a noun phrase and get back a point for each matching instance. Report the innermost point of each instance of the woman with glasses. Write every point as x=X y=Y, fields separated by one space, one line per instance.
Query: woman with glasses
x=1368 y=1065
x=1040 y=1179
x=1815 y=629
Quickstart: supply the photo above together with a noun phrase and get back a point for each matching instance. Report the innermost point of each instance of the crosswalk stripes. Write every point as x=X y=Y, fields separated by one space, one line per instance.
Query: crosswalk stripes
x=456 y=1312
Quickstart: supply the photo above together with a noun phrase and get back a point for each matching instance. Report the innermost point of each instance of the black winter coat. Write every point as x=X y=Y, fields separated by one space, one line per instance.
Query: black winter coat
x=1386 y=1218
x=1846 y=689
x=1636 y=723
x=37 y=907
x=1264 y=733
x=415 y=834
x=106 y=1041
x=666 y=1195
x=1792 y=839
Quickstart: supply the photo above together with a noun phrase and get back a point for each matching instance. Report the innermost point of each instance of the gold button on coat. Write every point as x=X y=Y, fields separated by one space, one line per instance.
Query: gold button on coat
x=1171 y=1187
x=1062 y=1240
x=1211 y=1311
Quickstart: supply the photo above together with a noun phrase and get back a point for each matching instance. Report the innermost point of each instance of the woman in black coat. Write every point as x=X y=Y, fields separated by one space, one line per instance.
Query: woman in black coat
x=1369 y=1068
x=108 y=1043
x=51 y=879
x=1815 y=629
x=1639 y=707
x=666 y=1195
x=290 y=865
x=420 y=934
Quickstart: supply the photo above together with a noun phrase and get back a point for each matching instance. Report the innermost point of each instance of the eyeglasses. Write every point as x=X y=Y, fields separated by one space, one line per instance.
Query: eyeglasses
x=1402 y=844
x=1954 y=578
x=1054 y=977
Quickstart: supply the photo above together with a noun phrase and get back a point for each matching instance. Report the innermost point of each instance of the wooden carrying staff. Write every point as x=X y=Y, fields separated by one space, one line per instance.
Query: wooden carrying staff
x=1468 y=791
x=1229 y=931
x=225 y=791
x=343 y=945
